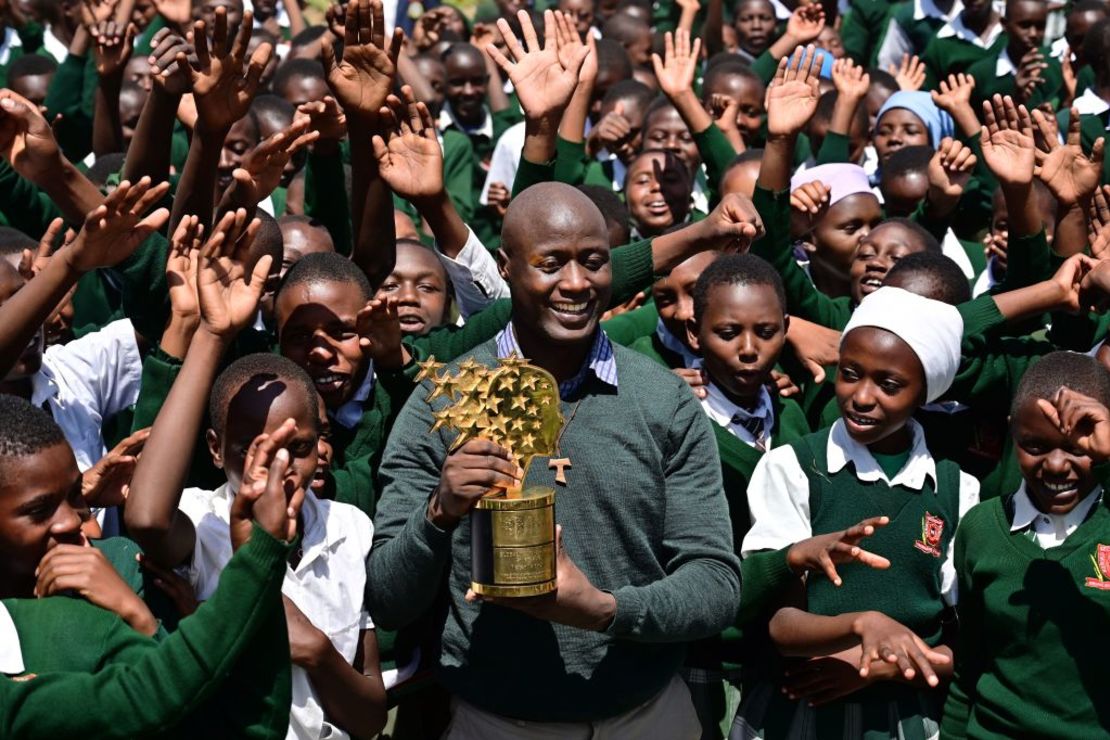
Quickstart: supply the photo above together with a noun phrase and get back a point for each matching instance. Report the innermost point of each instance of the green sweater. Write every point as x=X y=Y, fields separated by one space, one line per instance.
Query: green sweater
x=944 y=56
x=988 y=83
x=1032 y=659
x=862 y=28
x=99 y=678
x=644 y=517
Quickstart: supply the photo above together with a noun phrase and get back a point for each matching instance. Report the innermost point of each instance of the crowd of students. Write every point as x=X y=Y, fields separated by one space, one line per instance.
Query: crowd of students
x=823 y=286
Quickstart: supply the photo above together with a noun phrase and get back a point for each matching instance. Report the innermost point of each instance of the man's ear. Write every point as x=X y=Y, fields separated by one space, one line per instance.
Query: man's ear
x=692 y=330
x=503 y=264
x=213 y=441
x=785 y=323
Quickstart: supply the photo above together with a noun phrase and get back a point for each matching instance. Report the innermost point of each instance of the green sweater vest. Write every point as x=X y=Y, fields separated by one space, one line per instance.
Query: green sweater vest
x=1033 y=661
x=644 y=517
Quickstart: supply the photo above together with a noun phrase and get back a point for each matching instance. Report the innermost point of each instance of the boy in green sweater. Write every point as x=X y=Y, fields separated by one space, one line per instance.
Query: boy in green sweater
x=1024 y=69
x=1033 y=568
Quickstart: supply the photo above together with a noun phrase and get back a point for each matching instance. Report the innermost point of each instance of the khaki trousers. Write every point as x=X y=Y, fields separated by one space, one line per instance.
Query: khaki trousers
x=669 y=716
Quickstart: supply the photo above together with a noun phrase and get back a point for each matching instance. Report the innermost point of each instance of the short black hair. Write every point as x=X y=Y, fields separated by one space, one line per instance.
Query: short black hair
x=31 y=65
x=327 y=267
x=296 y=68
x=623 y=28
x=882 y=78
x=269 y=104
x=1081 y=373
x=14 y=241
x=268 y=240
x=748 y=155
x=262 y=368
x=105 y=166
x=610 y=204
x=739 y=270
x=462 y=47
x=629 y=90
x=940 y=278
x=25 y=429
x=728 y=67
x=928 y=242
x=306 y=36
x=612 y=56
x=908 y=160
x=724 y=57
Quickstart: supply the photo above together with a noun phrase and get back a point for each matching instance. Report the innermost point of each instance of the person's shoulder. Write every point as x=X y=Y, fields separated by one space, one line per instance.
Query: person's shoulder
x=348 y=521
x=115 y=337
x=647 y=376
x=981 y=518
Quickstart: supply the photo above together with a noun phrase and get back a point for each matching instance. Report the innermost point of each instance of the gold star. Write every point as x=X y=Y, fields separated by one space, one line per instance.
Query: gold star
x=499 y=425
x=442 y=417
x=519 y=402
x=517 y=425
x=428 y=368
x=469 y=365
x=493 y=403
x=528 y=383
x=528 y=441
x=444 y=386
x=513 y=361
x=545 y=400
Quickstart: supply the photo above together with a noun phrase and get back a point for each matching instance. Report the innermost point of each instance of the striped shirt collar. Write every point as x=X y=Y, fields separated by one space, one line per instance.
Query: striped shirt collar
x=600 y=362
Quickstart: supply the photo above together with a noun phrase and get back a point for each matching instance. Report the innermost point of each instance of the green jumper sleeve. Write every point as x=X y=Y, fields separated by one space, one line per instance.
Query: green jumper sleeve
x=66 y=97
x=717 y=153
x=159 y=373
x=570 y=161
x=25 y=206
x=626 y=328
x=145 y=291
x=1028 y=262
x=764 y=575
x=765 y=66
x=834 y=148
x=458 y=173
x=530 y=173
x=326 y=199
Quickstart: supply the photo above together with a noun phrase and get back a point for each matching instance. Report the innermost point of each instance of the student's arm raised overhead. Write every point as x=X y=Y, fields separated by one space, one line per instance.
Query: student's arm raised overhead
x=1071 y=176
x=263 y=166
x=223 y=95
x=112 y=46
x=111 y=232
x=361 y=82
x=325 y=194
x=228 y=299
x=572 y=127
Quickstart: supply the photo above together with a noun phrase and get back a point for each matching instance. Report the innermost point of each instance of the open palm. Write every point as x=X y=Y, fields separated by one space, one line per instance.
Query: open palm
x=227 y=293
x=1068 y=173
x=409 y=156
x=792 y=97
x=676 y=71
x=115 y=229
x=220 y=90
x=543 y=82
x=362 y=79
x=26 y=139
x=1007 y=141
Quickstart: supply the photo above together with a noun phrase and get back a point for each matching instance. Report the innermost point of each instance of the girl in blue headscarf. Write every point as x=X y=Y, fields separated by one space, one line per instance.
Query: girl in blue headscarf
x=910 y=119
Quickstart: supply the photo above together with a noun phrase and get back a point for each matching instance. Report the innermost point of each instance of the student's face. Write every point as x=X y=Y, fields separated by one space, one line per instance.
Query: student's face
x=324 y=450
x=674 y=294
x=33 y=87
x=898 y=128
x=264 y=9
x=878 y=251
x=466 y=86
x=241 y=138
x=261 y=408
x=838 y=233
x=434 y=72
x=1025 y=24
x=234 y=14
x=40 y=507
x=665 y=130
x=755 y=25
x=639 y=49
x=301 y=89
x=30 y=360
x=607 y=76
x=642 y=192
x=317 y=329
x=606 y=9
x=137 y=70
x=1078 y=25
x=749 y=93
x=1057 y=475
x=902 y=193
x=879 y=384
x=419 y=285
x=740 y=338
x=876 y=96
x=829 y=39
x=300 y=239
x=560 y=276
x=130 y=108
x=741 y=179
x=581 y=12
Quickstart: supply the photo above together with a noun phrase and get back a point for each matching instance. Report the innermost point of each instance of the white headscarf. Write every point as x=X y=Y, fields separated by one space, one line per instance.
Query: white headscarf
x=932 y=329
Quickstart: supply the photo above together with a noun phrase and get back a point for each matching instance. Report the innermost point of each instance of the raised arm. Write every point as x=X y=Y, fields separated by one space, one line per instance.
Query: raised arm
x=263 y=166
x=573 y=126
x=1070 y=175
x=112 y=48
x=149 y=152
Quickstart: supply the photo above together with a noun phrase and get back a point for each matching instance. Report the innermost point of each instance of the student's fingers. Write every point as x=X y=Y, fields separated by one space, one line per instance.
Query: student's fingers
x=256 y=67
x=149 y=197
x=829 y=569
x=500 y=59
x=1050 y=413
x=1025 y=121
x=780 y=72
x=1097 y=151
x=46 y=243
x=377 y=17
x=866 y=557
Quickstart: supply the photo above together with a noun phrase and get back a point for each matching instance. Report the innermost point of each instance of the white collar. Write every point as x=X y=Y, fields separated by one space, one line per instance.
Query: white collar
x=676 y=345
x=923 y=9
x=43 y=387
x=1026 y=513
x=720 y=409
x=1060 y=49
x=1004 y=66
x=350 y=413
x=10 y=41
x=447 y=119
x=1090 y=104
x=11 y=654
x=699 y=197
x=781 y=11
x=317 y=540
x=956 y=27
x=842 y=449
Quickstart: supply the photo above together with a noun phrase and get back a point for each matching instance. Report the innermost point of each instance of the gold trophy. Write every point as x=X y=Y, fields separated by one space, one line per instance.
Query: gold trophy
x=516 y=405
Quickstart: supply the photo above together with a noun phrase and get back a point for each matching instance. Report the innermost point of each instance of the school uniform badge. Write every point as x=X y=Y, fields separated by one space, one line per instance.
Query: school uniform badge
x=1101 y=561
x=932 y=529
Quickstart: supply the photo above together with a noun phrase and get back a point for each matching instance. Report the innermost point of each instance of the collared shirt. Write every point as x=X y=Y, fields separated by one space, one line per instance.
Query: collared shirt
x=1050 y=530
x=778 y=494
x=350 y=412
x=327 y=584
x=11 y=654
x=956 y=28
x=505 y=160
x=1090 y=104
x=55 y=46
x=923 y=9
x=781 y=11
x=83 y=382
x=619 y=169
x=1004 y=66
x=447 y=119
x=474 y=276
x=10 y=41
x=676 y=345
x=600 y=361
x=739 y=421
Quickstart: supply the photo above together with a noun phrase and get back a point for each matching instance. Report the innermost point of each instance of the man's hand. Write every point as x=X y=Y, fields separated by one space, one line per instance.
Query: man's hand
x=824 y=552
x=113 y=45
x=469 y=473
x=910 y=75
x=1082 y=419
x=575 y=601
x=26 y=139
x=410 y=159
x=117 y=227
x=263 y=166
x=793 y=93
x=1069 y=174
x=107 y=482
x=675 y=71
x=86 y=570
x=1007 y=141
x=221 y=93
x=362 y=79
x=227 y=294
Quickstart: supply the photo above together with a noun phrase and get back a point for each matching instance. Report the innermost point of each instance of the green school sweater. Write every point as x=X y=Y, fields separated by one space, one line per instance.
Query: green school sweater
x=944 y=56
x=115 y=683
x=629 y=326
x=862 y=28
x=574 y=167
x=31 y=35
x=649 y=346
x=1032 y=659
x=644 y=517
x=988 y=83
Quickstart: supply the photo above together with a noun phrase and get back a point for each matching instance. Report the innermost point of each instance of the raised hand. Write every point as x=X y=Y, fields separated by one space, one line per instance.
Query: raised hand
x=379 y=333
x=326 y=118
x=1098 y=223
x=32 y=263
x=181 y=268
x=263 y=166
x=362 y=79
x=1066 y=171
x=850 y=79
x=165 y=70
x=221 y=92
x=675 y=72
x=107 y=482
x=26 y=139
x=810 y=198
x=177 y=12
x=725 y=111
x=910 y=74
x=732 y=226
x=949 y=170
x=824 y=552
x=113 y=43
x=793 y=93
x=117 y=227
x=1007 y=141
x=227 y=294
x=544 y=81
x=1029 y=71
x=954 y=92
x=611 y=133
x=570 y=45
x=806 y=23
x=410 y=159
x=97 y=11
x=263 y=494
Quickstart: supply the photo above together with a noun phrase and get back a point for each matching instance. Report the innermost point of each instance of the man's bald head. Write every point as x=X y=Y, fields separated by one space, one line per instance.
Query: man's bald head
x=547 y=209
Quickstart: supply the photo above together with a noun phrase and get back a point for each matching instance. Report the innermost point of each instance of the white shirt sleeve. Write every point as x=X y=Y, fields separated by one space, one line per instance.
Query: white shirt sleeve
x=103 y=368
x=505 y=160
x=778 y=499
x=474 y=276
x=969 y=496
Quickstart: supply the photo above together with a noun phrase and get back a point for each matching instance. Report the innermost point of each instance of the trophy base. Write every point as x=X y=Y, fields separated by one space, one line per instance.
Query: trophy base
x=512 y=544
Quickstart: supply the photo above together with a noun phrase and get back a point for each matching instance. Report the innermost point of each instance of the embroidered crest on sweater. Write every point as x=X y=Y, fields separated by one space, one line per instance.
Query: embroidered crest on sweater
x=1101 y=561
x=932 y=527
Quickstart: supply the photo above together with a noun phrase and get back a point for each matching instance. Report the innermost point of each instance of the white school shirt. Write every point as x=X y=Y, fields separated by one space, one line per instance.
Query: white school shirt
x=11 y=654
x=474 y=276
x=1050 y=530
x=505 y=160
x=778 y=493
x=725 y=413
x=956 y=28
x=327 y=584
x=83 y=382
